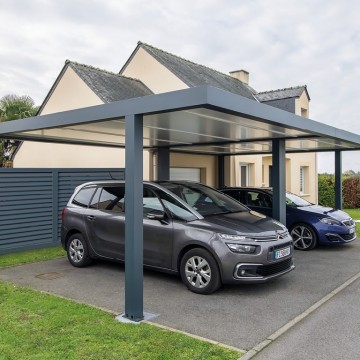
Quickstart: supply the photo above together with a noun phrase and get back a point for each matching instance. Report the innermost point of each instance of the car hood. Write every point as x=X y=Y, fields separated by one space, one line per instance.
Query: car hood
x=325 y=212
x=244 y=222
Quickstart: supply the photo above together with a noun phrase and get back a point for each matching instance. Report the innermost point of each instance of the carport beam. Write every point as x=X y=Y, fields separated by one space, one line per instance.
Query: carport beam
x=134 y=218
x=278 y=180
x=338 y=179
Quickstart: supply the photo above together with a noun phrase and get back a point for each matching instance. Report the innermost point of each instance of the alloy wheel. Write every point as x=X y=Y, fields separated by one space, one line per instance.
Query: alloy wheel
x=303 y=237
x=76 y=250
x=198 y=272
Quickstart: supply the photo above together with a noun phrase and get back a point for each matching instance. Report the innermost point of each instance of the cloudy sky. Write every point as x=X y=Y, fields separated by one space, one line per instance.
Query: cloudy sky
x=281 y=43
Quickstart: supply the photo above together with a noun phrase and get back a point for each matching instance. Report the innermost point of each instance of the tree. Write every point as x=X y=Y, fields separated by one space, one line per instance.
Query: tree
x=14 y=107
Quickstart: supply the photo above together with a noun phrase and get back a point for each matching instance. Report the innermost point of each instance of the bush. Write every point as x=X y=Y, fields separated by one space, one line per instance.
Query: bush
x=350 y=190
x=326 y=189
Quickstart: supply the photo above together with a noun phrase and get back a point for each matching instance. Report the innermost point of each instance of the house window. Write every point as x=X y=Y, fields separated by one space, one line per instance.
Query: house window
x=303 y=179
x=244 y=174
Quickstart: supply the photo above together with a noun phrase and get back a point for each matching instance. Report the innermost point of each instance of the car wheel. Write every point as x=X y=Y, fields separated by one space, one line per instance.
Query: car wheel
x=200 y=272
x=77 y=251
x=304 y=237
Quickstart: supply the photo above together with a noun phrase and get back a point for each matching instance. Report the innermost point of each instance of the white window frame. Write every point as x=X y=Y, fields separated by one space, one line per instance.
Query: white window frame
x=303 y=179
x=247 y=174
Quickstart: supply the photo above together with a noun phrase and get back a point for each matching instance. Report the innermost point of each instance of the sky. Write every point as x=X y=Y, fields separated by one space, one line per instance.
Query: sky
x=281 y=43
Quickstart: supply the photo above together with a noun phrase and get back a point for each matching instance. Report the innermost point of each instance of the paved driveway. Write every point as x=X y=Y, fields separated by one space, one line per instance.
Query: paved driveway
x=241 y=316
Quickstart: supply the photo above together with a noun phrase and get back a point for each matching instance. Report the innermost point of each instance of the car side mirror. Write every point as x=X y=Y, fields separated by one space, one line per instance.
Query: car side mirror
x=155 y=216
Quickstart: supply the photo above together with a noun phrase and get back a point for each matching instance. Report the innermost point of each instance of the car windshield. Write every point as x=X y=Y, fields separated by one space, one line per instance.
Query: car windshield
x=205 y=200
x=294 y=200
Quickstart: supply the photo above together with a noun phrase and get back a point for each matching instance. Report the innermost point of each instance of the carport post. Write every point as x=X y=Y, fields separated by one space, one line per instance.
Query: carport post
x=338 y=179
x=134 y=217
x=163 y=164
x=278 y=180
x=221 y=171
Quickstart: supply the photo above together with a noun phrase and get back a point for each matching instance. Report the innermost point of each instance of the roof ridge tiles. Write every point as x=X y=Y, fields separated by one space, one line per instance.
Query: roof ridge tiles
x=98 y=69
x=284 y=89
x=191 y=62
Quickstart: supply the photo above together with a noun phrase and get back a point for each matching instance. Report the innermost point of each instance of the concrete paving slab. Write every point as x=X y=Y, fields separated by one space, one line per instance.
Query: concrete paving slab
x=332 y=332
x=240 y=316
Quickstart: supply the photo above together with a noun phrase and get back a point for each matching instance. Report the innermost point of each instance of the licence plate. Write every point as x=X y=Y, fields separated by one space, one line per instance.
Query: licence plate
x=278 y=254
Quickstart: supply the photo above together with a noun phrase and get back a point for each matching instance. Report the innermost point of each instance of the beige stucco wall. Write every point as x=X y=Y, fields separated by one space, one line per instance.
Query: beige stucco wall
x=71 y=93
x=302 y=103
x=153 y=74
x=207 y=164
x=259 y=173
x=46 y=155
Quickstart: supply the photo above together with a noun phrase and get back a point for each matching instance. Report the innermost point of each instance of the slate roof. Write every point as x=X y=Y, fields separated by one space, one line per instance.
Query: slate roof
x=279 y=94
x=107 y=85
x=193 y=74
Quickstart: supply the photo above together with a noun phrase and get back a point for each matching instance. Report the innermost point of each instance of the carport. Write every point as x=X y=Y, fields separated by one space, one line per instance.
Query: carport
x=200 y=120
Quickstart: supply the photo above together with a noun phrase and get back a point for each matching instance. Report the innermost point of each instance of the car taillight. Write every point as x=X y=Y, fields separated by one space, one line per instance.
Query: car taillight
x=63 y=214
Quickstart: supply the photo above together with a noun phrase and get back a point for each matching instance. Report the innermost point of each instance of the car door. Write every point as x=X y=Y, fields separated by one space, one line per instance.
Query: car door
x=107 y=227
x=105 y=222
x=158 y=231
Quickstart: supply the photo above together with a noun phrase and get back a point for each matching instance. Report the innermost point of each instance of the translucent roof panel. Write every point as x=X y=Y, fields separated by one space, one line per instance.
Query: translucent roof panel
x=201 y=120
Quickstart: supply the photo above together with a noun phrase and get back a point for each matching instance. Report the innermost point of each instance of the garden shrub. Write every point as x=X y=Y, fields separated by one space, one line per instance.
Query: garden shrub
x=326 y=190
x=350 y=191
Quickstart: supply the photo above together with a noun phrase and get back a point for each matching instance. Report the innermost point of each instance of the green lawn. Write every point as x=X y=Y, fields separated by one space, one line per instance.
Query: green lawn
x=41 y=326
x=355 y=214
x=31 y=256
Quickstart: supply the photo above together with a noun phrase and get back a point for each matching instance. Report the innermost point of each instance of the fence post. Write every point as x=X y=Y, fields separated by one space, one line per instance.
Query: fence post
x=55 y=205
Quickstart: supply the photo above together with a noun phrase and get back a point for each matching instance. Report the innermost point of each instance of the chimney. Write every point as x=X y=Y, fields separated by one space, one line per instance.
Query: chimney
x=241 y=75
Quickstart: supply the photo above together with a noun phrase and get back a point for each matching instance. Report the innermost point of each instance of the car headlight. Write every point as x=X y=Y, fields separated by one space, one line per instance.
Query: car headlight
x=242 y=249
x=330 y=221
x=232 y=237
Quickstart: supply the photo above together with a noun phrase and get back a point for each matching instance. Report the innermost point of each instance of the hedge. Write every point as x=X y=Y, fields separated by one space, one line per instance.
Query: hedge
x=350 y=191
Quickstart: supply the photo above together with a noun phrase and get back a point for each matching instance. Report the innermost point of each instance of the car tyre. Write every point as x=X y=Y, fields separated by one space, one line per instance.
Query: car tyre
x=77 y=251
x=304 y=237
x=199 y=271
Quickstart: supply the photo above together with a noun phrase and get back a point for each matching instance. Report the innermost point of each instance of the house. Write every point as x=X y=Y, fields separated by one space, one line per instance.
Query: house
x=151 y=71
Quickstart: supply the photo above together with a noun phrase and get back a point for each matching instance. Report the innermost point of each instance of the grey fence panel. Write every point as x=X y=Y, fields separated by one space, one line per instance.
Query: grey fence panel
x=25 y=209
x=31 y=201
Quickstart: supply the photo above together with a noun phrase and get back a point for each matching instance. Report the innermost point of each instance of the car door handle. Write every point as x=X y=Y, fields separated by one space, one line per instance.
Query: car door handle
x=91 y=217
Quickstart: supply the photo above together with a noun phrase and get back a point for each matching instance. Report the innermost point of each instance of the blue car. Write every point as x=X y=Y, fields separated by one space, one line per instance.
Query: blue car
x=308 y=224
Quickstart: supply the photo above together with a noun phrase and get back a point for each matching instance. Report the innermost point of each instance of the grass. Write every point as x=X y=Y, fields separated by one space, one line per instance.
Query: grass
x=31 y=256
x=355 y=214
x=35 y=326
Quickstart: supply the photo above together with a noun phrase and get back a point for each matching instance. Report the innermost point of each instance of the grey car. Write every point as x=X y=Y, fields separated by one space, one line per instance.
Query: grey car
x=189 y=229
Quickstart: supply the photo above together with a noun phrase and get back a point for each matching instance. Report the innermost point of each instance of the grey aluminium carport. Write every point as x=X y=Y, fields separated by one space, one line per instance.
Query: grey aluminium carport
x=202 y=120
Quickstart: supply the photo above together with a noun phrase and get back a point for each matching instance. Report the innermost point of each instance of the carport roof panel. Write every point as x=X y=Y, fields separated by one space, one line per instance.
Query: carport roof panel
x=201 y=120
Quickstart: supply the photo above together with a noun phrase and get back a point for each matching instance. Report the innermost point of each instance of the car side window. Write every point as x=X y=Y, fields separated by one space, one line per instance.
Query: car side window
x=177 y=210
x=83 y=197
x=235 y=194
x=259 y=199
x=151 y=203
x=112 y=198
